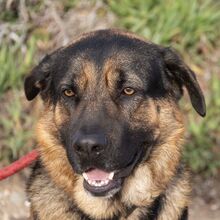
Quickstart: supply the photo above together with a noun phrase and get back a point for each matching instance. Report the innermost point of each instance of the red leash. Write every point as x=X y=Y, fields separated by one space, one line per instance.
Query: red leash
x=18 y=164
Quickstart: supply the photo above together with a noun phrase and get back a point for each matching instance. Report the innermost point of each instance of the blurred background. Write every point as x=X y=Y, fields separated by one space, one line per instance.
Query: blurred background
x=29 y=29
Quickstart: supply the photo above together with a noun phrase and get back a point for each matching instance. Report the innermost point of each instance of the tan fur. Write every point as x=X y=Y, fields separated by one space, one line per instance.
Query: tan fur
x=89 y=74
x=177 y=197
x=51 y=150
x=112 y=73
x=93 y=206
x=49 y=198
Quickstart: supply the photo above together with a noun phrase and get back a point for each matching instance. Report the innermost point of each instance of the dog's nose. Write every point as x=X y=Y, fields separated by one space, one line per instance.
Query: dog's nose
x=90 y=144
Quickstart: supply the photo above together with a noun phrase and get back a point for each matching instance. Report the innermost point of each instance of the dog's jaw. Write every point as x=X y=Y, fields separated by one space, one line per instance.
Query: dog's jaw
x=100 y=183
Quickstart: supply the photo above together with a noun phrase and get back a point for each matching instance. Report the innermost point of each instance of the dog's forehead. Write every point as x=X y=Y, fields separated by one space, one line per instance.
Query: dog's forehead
x=106 y=51
x=119 y=46
x=102 y=48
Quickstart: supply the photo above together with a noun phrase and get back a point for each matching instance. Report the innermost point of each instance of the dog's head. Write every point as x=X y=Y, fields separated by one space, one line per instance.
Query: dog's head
x=112 y=98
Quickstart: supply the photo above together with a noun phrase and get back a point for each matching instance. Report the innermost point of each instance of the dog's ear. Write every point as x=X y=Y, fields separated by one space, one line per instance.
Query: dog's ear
x=178 y=72
x=38 y=79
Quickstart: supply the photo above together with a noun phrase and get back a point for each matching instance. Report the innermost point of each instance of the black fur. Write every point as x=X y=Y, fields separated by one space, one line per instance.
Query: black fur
x=184 y=215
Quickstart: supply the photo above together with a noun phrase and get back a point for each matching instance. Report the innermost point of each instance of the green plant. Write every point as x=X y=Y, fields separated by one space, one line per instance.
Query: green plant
x=7 y=14
x=13 y=10
x=202 y=150
x=68 y=4
x=15 y=137
x=14 y=64
x=184 y=23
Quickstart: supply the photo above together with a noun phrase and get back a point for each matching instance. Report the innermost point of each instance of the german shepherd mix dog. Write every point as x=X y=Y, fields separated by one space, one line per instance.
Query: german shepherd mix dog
x=111 y=133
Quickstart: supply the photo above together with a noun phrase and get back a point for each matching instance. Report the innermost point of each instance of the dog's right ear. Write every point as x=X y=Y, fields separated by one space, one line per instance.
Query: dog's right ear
x=179 y=72
x=38 y=79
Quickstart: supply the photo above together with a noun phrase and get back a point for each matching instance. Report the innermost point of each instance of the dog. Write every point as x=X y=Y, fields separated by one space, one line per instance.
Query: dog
x=111 y=133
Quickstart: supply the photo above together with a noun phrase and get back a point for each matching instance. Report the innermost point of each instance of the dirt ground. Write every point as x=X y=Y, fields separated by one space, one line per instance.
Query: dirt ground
x=14 y=205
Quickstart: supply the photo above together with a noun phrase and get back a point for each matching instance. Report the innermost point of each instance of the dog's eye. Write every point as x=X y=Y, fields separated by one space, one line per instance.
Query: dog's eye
x=128 y=91
x=69 y=92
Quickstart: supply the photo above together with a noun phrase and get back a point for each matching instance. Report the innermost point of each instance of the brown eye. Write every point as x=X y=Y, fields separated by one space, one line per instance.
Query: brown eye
x=69 y=92
x=128 y=91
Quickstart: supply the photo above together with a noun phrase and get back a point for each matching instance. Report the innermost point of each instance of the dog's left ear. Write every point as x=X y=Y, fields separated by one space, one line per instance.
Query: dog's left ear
x=38 y=79
x=179 y=72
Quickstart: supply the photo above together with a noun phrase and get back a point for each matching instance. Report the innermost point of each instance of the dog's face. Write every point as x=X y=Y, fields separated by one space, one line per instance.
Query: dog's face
x=107 y=91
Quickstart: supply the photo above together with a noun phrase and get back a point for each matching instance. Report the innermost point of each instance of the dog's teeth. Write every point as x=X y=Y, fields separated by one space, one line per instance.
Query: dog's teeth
x=97 y=183
x=102 y=183
x=85 y=176
x=111 y=175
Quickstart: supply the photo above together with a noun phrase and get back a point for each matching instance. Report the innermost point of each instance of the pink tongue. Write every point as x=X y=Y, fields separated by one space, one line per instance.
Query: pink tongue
x=97 y=174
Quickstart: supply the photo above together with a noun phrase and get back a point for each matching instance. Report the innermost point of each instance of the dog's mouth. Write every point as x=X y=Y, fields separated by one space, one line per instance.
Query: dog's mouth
x=101 y=183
